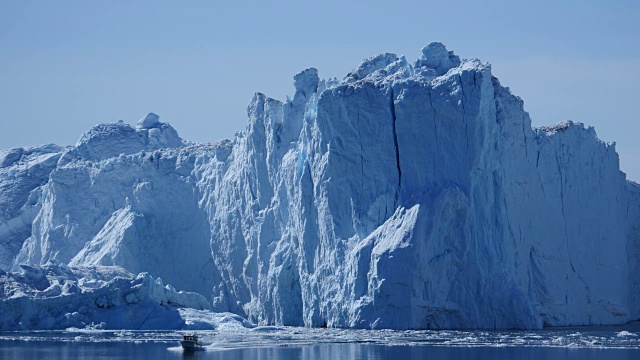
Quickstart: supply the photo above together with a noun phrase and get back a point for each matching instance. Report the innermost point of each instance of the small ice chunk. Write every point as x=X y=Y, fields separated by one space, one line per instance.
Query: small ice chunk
x=625 y=333
x=306 y=82
x=9 y=157
x=70 y=288
x=150 y=121
x=132 y=298
x=373 y=64
x=102 y=301
x=435 y=56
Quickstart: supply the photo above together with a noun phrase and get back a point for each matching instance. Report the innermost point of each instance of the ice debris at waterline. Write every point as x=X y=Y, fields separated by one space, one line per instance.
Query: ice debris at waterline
x=404 y=196
x=271 y=337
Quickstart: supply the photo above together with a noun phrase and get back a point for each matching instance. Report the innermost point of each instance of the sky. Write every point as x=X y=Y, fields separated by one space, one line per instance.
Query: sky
x=68 y=65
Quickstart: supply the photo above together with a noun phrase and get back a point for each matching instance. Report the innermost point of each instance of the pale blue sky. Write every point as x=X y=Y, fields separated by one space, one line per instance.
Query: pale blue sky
x=67 y=65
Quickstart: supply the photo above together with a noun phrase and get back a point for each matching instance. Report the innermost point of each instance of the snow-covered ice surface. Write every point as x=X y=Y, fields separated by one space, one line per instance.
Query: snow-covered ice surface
x=407 y=195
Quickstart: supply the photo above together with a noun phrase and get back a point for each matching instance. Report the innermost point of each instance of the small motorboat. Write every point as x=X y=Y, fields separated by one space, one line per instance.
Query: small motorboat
x=191 y=343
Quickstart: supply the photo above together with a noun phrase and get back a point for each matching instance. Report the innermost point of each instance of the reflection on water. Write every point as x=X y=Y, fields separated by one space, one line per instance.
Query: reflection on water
x=119 y=350
x=381 y=352
x=300 y=343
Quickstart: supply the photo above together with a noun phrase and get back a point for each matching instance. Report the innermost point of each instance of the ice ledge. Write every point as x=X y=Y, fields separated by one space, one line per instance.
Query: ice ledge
x=104 y=141
x=56 y=296
x=566 y=126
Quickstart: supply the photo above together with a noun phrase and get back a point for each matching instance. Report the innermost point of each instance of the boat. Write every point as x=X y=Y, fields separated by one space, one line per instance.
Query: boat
x=191 y=343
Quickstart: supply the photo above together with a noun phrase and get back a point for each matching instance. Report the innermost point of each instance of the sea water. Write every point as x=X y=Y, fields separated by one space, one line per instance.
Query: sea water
x=609 y=343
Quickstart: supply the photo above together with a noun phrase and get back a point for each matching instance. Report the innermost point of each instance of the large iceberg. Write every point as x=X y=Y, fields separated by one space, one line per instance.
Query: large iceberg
x=405 y=196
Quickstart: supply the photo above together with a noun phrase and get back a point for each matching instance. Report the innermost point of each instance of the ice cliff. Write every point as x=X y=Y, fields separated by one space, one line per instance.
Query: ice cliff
x=406 y=195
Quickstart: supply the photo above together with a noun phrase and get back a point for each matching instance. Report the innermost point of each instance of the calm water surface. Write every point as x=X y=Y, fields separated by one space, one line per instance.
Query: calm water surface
x=298 y=343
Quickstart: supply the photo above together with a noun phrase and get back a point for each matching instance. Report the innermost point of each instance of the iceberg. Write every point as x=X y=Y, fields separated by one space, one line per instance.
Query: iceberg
x=403 y=196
